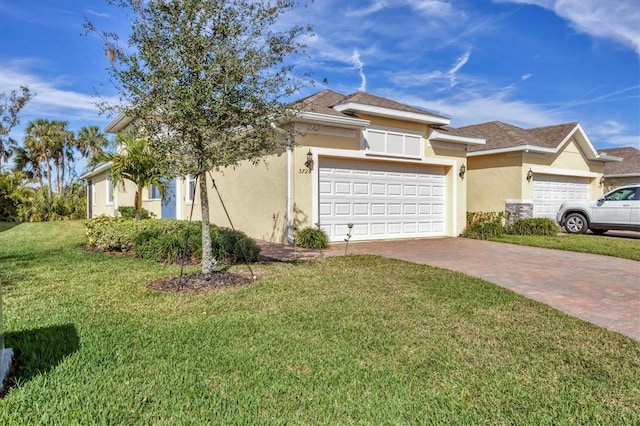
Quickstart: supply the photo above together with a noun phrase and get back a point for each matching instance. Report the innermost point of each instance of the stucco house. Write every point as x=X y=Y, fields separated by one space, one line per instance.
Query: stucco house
x=387 y=168
x=624 y=172
x=530 y=172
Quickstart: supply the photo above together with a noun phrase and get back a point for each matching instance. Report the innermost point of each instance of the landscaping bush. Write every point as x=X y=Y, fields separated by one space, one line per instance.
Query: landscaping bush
x=163 y=240
x=483 y=217
x=484 y=230
x=533 y=226
x=312 y=238
x=129 y=212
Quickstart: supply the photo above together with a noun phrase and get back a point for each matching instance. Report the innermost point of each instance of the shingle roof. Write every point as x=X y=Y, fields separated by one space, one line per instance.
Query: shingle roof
x=324 y=101
x=629 y=165
x=502 y=135
x=373 y=100
x=457 y=132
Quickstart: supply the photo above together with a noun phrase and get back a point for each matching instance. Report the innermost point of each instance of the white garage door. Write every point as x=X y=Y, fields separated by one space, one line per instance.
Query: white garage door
x=381 y=200
x=550 y=191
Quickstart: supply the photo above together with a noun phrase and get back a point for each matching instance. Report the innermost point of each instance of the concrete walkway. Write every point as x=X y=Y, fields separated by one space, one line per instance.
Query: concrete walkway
x=600 y=289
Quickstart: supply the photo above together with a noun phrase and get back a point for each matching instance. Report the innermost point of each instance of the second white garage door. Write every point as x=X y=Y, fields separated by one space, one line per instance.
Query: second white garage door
x=382 y=200
x=549 y=191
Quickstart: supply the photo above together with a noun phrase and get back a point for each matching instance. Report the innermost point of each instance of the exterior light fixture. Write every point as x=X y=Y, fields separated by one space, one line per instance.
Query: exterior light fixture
x=602 y=181
x=309 y=163
x=529 y=175
x=463 y=170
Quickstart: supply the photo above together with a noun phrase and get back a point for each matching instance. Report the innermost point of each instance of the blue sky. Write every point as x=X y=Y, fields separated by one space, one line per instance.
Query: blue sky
x=528 y=63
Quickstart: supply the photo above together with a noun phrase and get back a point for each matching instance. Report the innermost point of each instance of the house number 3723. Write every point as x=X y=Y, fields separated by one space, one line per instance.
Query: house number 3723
x=304 y=171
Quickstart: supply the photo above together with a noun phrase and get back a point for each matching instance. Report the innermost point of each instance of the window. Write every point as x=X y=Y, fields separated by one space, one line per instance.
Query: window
x=622 y=195
x=109 y=191
x=154 y=193
x=191 y=188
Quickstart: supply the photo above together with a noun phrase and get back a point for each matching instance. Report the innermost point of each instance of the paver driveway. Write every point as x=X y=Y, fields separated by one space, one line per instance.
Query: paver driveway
x=603 y=290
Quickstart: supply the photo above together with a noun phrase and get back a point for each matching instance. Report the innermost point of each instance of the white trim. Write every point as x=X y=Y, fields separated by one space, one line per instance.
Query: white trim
x=317 y=118
x=515 y=201
x=562 y=172
x=444 y=137
x=392 y=113
x=525 y=148
x=621 y=175
x=93 y=192
x=96 y=170
x=118 y=123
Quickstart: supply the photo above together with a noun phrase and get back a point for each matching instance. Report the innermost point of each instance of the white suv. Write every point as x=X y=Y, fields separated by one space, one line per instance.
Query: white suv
x=618 y=209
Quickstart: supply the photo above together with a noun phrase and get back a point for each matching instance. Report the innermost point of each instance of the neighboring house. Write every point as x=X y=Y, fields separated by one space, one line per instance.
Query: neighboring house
x=530 y=172
x=387 y=168
x=624 y=172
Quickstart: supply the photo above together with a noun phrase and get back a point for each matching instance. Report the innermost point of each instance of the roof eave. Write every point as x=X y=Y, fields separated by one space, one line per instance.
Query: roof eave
x=439 y=136
x=523 y=148
x=96 y=170
x=318 y=118
x=425 y=118
x=118 y=123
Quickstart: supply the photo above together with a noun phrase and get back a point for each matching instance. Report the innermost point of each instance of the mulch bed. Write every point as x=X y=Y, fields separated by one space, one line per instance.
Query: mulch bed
x=199 y=283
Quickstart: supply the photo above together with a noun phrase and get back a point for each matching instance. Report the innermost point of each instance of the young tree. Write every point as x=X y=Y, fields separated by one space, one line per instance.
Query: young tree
x=135 y=161
x=211 y=76
x=10 y=107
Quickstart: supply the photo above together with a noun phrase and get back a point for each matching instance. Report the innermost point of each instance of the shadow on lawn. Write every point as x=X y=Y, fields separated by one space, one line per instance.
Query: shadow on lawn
x=5 y=226
x=40 y=350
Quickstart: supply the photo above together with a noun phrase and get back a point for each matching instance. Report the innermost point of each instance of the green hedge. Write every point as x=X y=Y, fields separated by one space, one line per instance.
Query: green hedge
x=533 y=226
x=163 y=240
x=129 y=212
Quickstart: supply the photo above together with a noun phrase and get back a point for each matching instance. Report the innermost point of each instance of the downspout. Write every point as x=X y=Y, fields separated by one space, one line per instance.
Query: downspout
x=290 y=238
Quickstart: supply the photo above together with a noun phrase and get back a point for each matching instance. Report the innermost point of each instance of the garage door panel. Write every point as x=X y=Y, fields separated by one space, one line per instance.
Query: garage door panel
x=549 y=191
x=382 y=200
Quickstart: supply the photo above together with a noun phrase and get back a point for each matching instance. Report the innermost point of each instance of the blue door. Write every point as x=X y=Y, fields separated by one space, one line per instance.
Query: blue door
x=168 y=210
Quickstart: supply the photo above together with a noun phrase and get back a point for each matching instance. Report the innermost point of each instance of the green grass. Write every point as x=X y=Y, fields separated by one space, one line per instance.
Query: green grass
x=347 y=340
x=626 y=248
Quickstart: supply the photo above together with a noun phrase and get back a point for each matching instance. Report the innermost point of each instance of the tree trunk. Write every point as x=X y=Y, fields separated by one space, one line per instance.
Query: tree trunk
x=207 y=254
x=49 y=180
x=138 y=202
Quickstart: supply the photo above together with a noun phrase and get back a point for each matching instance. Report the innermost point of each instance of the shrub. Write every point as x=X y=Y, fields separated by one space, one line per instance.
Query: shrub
x=483 y=217
x=533 y=226
x=484 y=230
x=164 y=240
x=129 y=212
x=312 y=238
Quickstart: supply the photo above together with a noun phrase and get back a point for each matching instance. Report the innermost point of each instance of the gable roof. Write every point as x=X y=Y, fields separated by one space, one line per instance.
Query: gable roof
x=502 y=137
x=629 y=166
x=335 y=105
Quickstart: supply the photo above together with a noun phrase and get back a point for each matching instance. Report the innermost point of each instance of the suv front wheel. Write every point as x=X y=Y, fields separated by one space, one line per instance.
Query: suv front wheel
x=576 y=224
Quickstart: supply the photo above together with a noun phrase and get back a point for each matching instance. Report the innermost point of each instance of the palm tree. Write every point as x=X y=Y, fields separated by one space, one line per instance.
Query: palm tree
x=28 y=162
x=61 y=142
x=38 y=141
x=135 y=161
x=91 y=141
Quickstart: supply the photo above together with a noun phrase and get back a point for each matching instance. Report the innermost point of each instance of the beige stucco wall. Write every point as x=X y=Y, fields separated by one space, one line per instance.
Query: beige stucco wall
x=254 y=196
x=493 y=179
x=100 y=205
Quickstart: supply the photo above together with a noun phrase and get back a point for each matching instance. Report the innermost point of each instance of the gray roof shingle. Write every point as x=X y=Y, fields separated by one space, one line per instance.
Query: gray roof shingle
x=502 y=135
x=629 y=165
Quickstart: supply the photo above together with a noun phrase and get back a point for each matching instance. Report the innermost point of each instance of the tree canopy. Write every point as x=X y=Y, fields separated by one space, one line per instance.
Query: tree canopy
x=208 y=78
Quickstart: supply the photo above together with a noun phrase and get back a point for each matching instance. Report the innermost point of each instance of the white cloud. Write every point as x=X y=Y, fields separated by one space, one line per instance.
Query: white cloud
x=98 y=14
x=357 y=63
x=457 y=66
x=617 y=20
x=526 y=76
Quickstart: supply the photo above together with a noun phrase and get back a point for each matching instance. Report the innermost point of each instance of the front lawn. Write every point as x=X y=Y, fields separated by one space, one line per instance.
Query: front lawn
x=356 y=339
x=626 y=248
